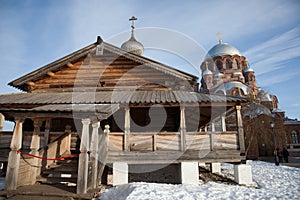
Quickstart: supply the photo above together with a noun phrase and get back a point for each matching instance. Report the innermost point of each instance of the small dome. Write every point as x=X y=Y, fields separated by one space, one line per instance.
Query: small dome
x=222 y=49
x=133 y=46
x=237 y=73
x=248 y=69
x=207 y=72
x=219 y=74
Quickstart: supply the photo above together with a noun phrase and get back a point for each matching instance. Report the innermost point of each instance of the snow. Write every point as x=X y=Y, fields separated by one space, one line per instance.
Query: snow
x=273 y=182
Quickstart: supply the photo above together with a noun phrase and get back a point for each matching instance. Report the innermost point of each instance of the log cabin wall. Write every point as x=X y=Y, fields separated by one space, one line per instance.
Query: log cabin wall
x=107 y=72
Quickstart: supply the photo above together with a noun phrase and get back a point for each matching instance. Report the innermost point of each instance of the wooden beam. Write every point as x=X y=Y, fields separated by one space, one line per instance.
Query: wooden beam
x=30 y=83
x=70 y=65
x=51 y=74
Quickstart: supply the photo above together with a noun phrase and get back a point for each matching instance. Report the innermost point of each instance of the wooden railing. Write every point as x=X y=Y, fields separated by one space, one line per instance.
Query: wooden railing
x=55 y=149
x=152 y=141
x=59 y=146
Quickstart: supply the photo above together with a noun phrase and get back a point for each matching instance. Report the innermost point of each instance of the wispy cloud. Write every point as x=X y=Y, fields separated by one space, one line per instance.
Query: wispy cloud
x=269 y=80
x=275 y=53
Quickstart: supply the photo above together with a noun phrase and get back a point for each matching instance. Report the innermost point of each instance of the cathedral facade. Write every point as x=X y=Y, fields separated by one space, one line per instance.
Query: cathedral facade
x=225 y=71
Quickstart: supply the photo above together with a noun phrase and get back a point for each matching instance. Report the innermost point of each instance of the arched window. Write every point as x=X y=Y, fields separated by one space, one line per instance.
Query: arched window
x=243 y=65
x=294 y=137
x=235 y=64
x=228 y=64
x=251 y=77
x=219 y=64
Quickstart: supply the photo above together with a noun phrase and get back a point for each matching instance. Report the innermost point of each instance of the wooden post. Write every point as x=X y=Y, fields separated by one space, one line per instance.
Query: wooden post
x=83 y=158
x=34 y=147
x=182 y=128
x=240 y=129
x=94 y=154
x=223 y=122
x=69 y=140
x=2 y=119
x=212 y=136
x=103 y=151
x=47 y=132
x=127 y=129
x=11 y=178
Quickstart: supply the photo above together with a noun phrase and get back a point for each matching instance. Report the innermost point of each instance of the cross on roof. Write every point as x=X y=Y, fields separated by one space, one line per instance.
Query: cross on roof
x=219 y=36
x=132 y=19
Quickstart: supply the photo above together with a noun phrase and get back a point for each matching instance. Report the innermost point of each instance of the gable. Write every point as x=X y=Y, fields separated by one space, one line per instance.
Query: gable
x=102 y=66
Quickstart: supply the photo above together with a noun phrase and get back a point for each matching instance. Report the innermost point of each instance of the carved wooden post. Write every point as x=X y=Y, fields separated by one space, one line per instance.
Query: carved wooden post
x=127 y=129
x=69 y=140
x=182 y=128
x=11 y=178
x=34 y=147
x=240 y=129
x=83 y=158
x=94 y=154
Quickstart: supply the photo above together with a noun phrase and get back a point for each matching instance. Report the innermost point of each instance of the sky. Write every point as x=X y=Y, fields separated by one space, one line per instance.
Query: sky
x=34 y=33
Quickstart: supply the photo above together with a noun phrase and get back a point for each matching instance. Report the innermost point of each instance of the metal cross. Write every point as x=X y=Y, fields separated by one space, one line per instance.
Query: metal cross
x=132 y=19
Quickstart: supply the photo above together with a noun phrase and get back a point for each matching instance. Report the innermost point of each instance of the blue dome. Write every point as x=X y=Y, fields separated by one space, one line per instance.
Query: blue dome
x=222 y=49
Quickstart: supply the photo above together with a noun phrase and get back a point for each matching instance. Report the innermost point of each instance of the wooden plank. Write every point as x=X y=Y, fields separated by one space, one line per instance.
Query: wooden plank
x=115 y=143
x=198 y=142
x=141 y=143
x=168 y=142
x=175 y=156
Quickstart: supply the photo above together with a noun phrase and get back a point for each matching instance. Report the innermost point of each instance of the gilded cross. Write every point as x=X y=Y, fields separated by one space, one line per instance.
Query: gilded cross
x=219 y=36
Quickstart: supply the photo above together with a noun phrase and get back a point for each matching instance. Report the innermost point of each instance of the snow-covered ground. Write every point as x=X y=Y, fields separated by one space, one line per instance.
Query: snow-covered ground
x=274 y=182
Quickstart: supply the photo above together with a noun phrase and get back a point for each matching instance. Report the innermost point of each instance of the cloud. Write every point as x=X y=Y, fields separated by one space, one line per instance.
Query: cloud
x=274 y=53
x=270 y=80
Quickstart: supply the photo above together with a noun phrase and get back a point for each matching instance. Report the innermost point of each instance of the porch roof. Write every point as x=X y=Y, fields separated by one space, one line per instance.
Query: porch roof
x=114 y=97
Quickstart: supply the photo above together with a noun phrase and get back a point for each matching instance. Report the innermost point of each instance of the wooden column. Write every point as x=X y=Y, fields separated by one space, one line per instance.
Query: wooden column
x=240 y=129
x=212 y=136
x=2 y=119
x=182 y=128
x=83 y=158
x=94 y=154
x=47 y=132
x=223 y=122
x=34 y=147
x=69 y=140
x=103 y=151
x=127 y=129
x=11 y=178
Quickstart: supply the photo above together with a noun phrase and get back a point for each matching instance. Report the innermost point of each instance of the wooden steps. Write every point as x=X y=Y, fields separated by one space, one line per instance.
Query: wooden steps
x=61 y=172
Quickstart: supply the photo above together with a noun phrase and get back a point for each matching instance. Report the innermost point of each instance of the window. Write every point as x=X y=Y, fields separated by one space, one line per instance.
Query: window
x=294 y=137
x=219 y=64
x=228 y=64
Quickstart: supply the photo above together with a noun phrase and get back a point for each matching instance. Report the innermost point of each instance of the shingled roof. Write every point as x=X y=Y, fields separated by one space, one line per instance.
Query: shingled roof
x=163 y=96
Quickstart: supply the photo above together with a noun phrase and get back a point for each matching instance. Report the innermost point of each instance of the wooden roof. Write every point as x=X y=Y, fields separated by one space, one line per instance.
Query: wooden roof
x=92 y=49
x=111 y=97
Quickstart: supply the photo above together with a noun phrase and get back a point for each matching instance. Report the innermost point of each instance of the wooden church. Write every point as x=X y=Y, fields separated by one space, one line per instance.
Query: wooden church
x=106 y=110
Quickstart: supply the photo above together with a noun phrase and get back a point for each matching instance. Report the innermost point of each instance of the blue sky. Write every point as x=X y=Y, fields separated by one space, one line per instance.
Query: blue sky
x=34 y=33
